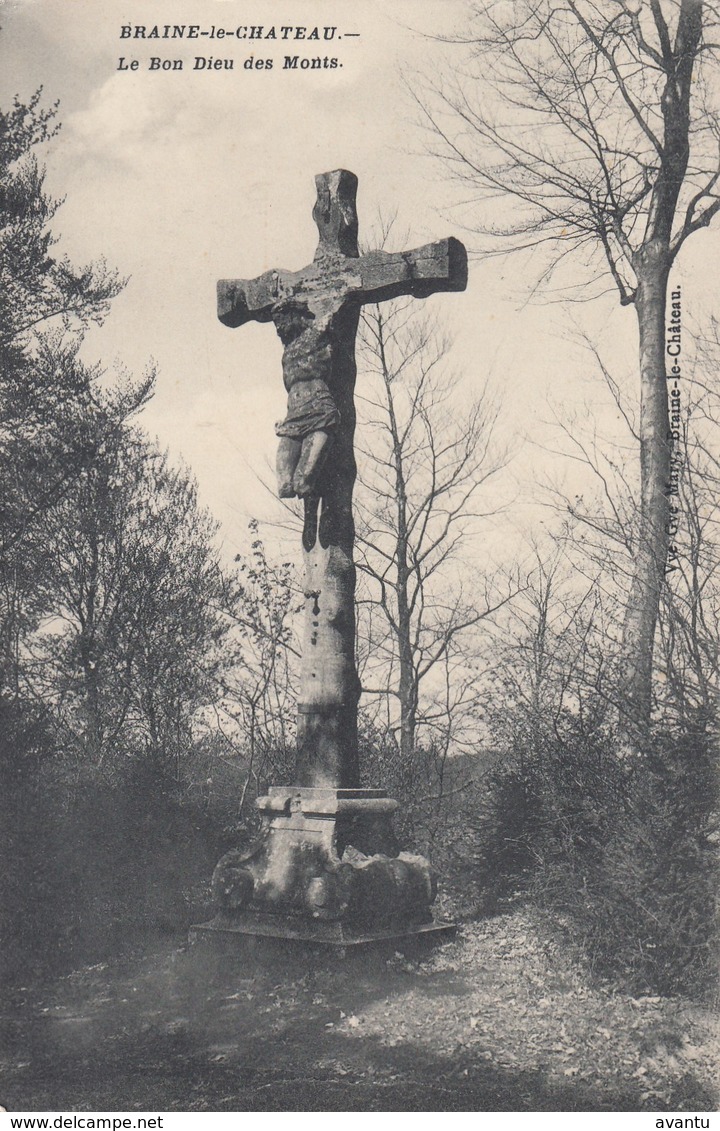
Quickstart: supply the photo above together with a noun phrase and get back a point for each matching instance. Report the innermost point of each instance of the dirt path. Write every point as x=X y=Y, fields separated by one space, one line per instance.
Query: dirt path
x=500 y=1019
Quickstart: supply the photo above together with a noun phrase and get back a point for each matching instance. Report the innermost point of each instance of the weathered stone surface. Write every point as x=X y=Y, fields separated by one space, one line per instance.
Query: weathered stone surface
x=328 y=854
x=326 y=858
x=376 y=277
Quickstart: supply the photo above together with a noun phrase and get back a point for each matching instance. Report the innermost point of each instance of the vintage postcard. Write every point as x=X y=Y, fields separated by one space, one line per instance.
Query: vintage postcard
x=359 y=556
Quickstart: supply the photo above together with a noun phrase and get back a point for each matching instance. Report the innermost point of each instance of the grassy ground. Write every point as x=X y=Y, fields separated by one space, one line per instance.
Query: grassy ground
x=500 y=1019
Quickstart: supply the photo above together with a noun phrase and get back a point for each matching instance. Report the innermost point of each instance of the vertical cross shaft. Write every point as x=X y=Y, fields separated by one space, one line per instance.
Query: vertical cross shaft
x=316 y=313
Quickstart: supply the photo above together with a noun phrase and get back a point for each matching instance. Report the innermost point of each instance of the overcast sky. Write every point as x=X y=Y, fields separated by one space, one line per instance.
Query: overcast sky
x=179 y=178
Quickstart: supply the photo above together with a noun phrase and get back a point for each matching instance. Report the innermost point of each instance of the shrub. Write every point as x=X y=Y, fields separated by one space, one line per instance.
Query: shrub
x=622 y=846
x=95 y=867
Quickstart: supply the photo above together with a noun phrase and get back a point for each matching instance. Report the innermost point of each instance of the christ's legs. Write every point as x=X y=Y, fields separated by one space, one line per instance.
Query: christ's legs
x=288 y=454
x=314 y=449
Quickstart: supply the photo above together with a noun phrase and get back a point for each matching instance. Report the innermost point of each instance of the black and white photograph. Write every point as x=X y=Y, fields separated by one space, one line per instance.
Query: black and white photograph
x=359 y=558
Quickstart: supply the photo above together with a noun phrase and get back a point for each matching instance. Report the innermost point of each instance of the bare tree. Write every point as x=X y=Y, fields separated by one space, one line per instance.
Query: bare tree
x=255 y=711
x=424 y=455
x=598 y=121
x=689 y=667
x=597 y=527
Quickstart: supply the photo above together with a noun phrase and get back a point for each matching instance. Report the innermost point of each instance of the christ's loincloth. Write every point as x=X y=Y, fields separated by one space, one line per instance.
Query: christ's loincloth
x=311 y=408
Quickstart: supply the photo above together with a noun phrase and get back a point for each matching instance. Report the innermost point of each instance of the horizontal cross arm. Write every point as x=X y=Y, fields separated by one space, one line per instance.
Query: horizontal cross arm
x=247 y=300
x=440 y=266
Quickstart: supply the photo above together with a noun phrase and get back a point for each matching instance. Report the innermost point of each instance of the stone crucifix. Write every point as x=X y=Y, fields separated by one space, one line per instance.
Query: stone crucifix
x=316 y=312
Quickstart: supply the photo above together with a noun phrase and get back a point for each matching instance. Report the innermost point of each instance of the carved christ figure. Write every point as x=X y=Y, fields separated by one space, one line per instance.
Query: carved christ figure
x=312 y=414
x=308 y=324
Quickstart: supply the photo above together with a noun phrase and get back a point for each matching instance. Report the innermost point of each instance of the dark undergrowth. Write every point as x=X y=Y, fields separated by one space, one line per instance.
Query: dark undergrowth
x=621 y=851
x=623 y=848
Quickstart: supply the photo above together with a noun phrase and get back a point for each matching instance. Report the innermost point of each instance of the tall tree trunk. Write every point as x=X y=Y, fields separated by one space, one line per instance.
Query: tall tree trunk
x=407 y=682
x=407 y=688
x=94 y=730
x=652 y=266
x=651 y=542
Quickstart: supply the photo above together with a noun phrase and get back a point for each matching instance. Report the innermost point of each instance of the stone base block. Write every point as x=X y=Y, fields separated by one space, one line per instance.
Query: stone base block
x=325 y=869
x=257 y=932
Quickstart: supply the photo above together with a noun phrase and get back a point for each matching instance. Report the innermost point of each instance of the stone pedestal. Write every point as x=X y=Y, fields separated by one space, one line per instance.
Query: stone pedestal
x=325 y=868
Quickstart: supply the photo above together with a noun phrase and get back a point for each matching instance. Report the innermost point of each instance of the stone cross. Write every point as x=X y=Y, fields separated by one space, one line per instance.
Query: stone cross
x=316 y=312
